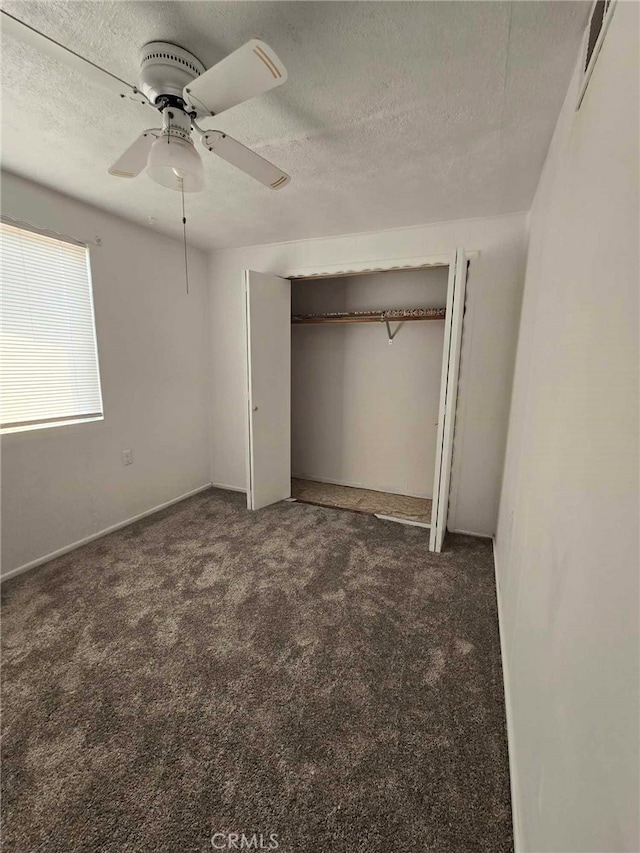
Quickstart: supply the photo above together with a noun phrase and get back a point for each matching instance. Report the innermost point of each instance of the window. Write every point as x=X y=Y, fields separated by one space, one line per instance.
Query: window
x=49 y=372
x=598 y=24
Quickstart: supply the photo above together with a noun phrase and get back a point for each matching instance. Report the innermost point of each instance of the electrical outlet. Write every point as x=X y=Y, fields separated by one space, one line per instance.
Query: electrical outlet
x=127 y=457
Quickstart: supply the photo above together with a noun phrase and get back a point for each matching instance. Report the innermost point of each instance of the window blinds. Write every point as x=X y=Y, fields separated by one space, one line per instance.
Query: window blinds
x=49 y=361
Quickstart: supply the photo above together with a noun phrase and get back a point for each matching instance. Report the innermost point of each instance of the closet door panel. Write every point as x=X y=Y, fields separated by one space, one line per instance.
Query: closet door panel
x=268 y=303
x=456 y=293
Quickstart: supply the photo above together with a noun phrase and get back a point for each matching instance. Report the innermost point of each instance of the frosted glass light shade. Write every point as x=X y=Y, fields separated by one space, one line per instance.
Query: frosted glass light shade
x=175 y=164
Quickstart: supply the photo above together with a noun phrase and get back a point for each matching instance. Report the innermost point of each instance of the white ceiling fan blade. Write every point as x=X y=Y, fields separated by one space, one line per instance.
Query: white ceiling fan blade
x=134 y=159
x=245 y=159
x=50 y=47
x=249 y=71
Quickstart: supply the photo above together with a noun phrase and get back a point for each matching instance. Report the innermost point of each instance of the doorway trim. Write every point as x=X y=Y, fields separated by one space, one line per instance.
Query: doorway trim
x=347 y=268
x=369 y=266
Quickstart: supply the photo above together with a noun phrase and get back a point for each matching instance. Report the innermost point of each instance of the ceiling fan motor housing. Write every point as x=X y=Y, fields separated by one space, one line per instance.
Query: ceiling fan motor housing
x=176 y=123
x=165 y=69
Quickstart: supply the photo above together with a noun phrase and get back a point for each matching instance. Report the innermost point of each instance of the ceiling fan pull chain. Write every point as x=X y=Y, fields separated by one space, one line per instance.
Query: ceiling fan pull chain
x=184 y=235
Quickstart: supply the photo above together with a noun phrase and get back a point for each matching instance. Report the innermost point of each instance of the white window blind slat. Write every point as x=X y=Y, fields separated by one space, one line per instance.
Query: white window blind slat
x=49 y=371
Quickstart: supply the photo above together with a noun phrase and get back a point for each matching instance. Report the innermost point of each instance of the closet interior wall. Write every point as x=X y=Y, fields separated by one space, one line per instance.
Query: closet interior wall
x=364 y=413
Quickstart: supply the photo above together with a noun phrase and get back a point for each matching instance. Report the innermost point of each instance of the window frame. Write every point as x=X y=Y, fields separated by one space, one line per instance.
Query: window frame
x=70 y=420
x=587 y=69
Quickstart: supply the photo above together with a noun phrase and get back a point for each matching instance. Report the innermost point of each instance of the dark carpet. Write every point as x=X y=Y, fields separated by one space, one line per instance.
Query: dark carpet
x=299 y=671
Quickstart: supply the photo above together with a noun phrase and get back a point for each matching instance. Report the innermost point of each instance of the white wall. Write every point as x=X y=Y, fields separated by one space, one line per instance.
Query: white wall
x=567 y=543
x=364 y=413
x=63 y=484
x=493 y=305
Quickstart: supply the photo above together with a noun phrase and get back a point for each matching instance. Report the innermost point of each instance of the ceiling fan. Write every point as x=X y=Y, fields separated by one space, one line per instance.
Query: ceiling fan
x=174 y=82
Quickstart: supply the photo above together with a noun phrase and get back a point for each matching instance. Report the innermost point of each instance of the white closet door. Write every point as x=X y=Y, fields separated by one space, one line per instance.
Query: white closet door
x=268 y=300
x=448 y=397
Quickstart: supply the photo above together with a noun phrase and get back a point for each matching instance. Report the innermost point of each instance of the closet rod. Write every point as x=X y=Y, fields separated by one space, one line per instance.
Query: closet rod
x=308 y=320
x=395 y=317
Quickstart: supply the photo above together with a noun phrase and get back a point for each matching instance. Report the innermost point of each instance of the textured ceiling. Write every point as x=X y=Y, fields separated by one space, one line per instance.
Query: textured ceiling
x=394 y=114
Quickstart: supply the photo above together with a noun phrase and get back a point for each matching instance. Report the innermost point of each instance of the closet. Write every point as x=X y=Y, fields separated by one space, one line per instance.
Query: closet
x=366 y=369
x=352 y=382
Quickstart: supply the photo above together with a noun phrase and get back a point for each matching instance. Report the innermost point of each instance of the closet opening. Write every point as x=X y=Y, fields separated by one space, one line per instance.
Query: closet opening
x=366 y=372
x=352 y=383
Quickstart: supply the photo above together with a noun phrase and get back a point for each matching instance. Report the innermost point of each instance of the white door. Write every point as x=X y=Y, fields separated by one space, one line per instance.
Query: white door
x=268 y=300
x=448 y=397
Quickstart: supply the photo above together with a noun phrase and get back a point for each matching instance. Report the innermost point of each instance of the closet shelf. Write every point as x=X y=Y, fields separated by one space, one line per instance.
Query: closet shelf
x=395 y=315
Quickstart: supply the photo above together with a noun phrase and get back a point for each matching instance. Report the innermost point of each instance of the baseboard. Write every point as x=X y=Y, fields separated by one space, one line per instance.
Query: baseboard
x=353 y=485
x=472 y=533
x=518 y=845
x=407 y=521
x=74 y=545
x=229 y=488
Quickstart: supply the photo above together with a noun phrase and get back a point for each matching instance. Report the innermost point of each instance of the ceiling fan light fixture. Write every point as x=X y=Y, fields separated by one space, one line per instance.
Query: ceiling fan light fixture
x=175 y=163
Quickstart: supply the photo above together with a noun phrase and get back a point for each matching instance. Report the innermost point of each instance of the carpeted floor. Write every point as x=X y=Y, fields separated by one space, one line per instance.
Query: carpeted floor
x=301 y=671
